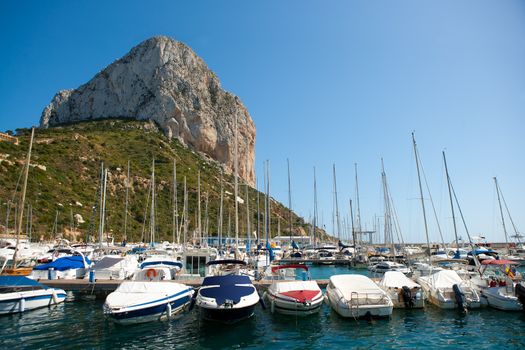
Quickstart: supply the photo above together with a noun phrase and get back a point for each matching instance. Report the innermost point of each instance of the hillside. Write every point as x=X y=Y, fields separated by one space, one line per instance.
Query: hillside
x=65 y=177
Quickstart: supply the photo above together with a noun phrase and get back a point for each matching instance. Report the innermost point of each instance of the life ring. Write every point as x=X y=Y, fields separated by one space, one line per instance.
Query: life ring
x=151 y=273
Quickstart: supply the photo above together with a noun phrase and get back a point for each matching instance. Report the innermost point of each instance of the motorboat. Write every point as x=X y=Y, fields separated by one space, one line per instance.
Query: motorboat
x=147 y=300
x=114 y=267
x=67 y=267
x=447 y=290
x=499 y=284
x=357 y=296
x=227 y=296
x=289 y=296
x=325 y=257
x=384 y=266
x=171 y=265
x=404 y=292
x=20 y=294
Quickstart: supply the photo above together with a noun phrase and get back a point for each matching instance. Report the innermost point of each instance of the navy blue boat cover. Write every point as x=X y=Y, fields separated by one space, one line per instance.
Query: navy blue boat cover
x=65 y=263
x=18 y=281
x=227 y=288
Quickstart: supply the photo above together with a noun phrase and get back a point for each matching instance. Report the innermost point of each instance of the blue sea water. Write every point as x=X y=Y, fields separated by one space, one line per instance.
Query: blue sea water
x=80 y=324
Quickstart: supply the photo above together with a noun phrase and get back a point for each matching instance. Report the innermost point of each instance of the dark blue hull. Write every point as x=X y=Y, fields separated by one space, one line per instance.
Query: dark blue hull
x=227 y=315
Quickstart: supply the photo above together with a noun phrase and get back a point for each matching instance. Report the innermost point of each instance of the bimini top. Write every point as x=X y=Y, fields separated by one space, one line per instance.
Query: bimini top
x=226 y=262
x=65 y=263
x=499 y=262
x=291 y=266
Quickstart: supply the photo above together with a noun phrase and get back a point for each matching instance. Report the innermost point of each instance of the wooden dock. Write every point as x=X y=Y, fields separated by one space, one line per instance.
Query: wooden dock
x=101 y=288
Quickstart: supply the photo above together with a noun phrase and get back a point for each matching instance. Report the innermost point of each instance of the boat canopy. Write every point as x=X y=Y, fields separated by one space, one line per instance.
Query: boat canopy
x=226 y=262
x=290 y=266
x=397 y=279
x=354 y=283
x=106 y=262
x=499 y=262
x=65 y=263
x=226 y=280
x=19 y=281
x=229 y=287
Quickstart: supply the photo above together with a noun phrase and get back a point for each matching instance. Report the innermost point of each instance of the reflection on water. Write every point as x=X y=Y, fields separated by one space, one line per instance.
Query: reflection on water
x=81 y=324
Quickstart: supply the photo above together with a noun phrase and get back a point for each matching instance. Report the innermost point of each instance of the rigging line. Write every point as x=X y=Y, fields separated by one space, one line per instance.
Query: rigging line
x=508 y=212
x=431 y=200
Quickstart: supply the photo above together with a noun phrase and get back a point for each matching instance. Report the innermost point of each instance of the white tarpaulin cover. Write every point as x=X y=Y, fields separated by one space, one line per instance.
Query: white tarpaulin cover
x=392 y=279
x=355 y=283
x=444 y=279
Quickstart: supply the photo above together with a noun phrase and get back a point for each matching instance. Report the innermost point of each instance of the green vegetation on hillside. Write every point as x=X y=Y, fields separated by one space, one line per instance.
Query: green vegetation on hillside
x=69 y=183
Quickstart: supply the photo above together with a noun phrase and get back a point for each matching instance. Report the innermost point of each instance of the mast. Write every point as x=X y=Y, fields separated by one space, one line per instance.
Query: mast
x=199 y=226
x=268 y=235
x=247 y=221
x=451 y=205
x=152 y=212
x=103 y=211
x=126 y=207
x=338 y=221
x=421 y=194
x=502 y=217
x=175 y=205
x=221 y=211
x=236 y=188
x=289 y=199
x=101 y=201
x=353 y=228
x=24 y=189
x=358 y=218
x=205 y=244
x=258 y=211
x=388 y=211
x=185 y=214
x=315 y=208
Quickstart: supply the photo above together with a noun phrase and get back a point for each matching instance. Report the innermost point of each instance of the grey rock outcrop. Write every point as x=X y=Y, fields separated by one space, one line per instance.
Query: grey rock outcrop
x=164 y=80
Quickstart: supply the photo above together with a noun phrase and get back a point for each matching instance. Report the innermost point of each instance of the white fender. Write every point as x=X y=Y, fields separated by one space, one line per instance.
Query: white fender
x=22 y=305
x=168 y=311
x=272 y=305
x=54 y=296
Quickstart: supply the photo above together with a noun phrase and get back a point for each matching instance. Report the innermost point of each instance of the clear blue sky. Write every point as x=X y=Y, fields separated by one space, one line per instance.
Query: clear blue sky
x=326 y=82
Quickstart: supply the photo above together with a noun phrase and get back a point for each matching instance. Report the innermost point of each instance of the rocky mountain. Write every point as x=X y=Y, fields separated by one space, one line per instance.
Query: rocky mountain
x=164 y=80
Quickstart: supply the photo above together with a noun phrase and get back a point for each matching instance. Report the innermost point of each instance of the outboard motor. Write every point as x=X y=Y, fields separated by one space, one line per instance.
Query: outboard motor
x=459 y=296
x=408 y=299
x=520 y=293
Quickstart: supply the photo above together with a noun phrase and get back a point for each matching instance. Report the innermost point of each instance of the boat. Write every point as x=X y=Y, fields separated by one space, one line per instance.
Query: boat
x=384 y=266
x=499 y=284
x=114 y=267
x=147 y=300
x=20 y=294
x=404 y=292
x=227 y=297
x=357 y=296
x=293 y=297
x=68 y=267
x=171 y=265
x=446 y=290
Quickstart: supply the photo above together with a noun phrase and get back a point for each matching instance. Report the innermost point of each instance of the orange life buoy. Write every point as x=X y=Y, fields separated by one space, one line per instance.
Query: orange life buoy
x=151 y=273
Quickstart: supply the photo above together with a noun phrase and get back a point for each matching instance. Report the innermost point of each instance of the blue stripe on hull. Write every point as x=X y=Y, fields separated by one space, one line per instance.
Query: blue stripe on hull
x=149 y=311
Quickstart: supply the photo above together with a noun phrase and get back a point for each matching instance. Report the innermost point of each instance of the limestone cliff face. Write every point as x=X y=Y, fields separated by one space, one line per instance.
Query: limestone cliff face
x=164 y=80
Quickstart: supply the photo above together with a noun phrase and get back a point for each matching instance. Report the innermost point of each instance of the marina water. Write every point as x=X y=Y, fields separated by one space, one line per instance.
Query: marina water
x=80 y=323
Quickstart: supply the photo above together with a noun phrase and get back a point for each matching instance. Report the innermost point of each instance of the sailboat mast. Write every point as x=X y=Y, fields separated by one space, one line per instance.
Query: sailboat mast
x=185 y=214
x=101 y=201
x=236 y=170
x=289 y=199
x=388 y=212
x=353 y=228
x=199 y=224
x=502 y=217
x=358 y=217
x=175 y=205
x=126 y=206
x=102 y=225
x=152 y=213
x=338 y=220
x=247 y=220
x=315 y=208
x=421 y=195
x=24 y=189
x=221 y=211
x=451 y=204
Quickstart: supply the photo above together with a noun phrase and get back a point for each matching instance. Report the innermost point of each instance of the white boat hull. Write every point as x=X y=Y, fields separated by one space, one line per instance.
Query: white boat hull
x=15 y=302
x=499 y=299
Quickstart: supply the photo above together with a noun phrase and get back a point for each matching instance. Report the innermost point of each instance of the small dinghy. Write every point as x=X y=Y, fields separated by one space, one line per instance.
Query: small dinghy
x=357 y=296
x=19 y=294
x=227 y=298
x=149 y=300
x=291 y=297
x=404 y=292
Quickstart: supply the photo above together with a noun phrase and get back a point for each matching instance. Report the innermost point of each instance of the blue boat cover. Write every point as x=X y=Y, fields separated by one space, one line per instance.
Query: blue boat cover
x=18 y=281
x=227 y=288
x=65 y=263
x=227 y=280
